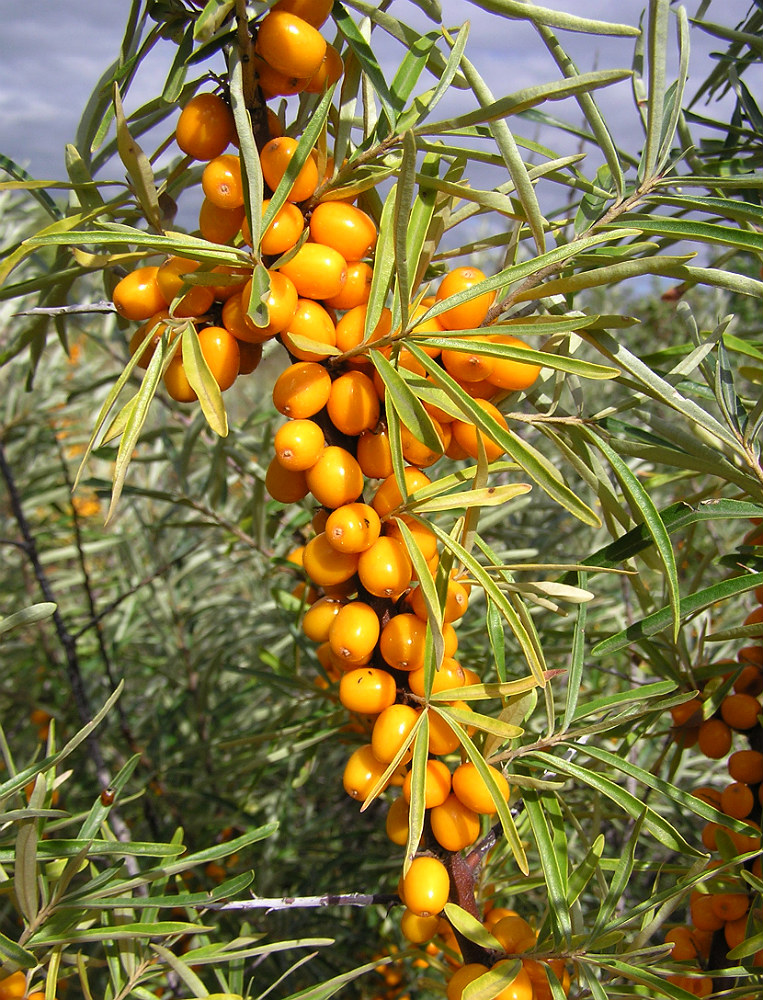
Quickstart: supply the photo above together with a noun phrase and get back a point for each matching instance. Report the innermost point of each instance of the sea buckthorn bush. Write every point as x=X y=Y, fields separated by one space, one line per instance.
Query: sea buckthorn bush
x=476 y=544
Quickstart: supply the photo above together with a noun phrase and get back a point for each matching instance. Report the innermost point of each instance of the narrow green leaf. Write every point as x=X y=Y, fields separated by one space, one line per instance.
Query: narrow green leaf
x=696 y=231
x=622 y=876
x=184 y=973
x=203 y=382
x=585 y=870
x=417 y=809
x=408 y=407
x=577 y=662
x=212 y=18
x=522 y=11
x=173 y=85
x=138 y=166
x=606 y=275
x=368 y=62
x=14 y=954
x=250 y=159
x=490 y=496
x=554 y=866
x=24 y=857
x=471 y=928
x=657 y=45
x=28 y=616
x=404 y=194
x=384 y=265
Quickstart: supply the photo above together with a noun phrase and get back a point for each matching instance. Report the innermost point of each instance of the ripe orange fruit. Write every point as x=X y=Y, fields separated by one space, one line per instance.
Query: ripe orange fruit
x=205 y=127
x=740 y=711
x=374 y=453
x=449 y=677
x=315 y=12
x=13 y=987
x=298 y=444
x=176 y=381
x=171 y=276
x=512 y=375
x=737 y=800
x=354 y=633
x=319 y=617
x=353 y=406
x=281 y=302
x=137 y=296
x=325 y=566
x=335 y=479
x=746 y=766
x=388 y=496
x=468 y=315
x=436 y=784
x=702 y=914
x=289 y=44
x=311 y=321
x=329 y=71
x=367 y=690
x=462 y=977
x=714 y=738
x=426 y=886
x=453 y=824
x=520 y=988
x=361 y=772
x=385 y=568
x=684 y=948
x=442 y=738
x=391 y=729
x=273 y=83
x=353 y=527
x=275 y=158
x=397 y=819
x=318 y=271
x=418 y=929
x=514 y=934
x=344 y=227
x=156 y=327
x=350 y=328
x=283 y=484
x=472 y=790
x=750 y=679
x=402 y=642
x=301 y=390
x=466 y=433
x=219 y=225
x=284 y=231
x=356 y=287
x=467 y=366
x=221 y=181
x=220 y=350
x=730 y=905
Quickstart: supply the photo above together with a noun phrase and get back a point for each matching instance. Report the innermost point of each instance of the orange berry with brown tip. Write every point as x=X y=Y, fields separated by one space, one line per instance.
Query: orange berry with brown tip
x=472 y=789
x=285 y=485
x=730 y=905
x=714 y=738
x=354 y=633
x=467 y=434
x=298 y=444
x=318 y=271
x=417 y=929
x=426 y=886
x=385 y=568
x=344 y=227
x=470 y=314
x=514 y=376
x=273 y=83
x=302 y=389
x=403 y=641
x=374 y=452
x=310 y=322
x=361 y=772
x=205 y=127
x=462 y=977
x=396 y=825
x=335 y=479
x=388 y=496
x=356 y=287
x=284 y=231
x=315 y=12
x=353 y=528
x=290 y=44
x=737 y=800
x=221 y=181
x=391 y=729
x=319 y=617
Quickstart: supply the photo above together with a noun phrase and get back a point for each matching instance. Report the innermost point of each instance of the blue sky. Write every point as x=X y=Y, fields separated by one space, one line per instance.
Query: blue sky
x=53 y=51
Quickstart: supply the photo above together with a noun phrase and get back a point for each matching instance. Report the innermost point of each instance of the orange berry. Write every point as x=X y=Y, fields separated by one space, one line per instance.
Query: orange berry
x=176 y=381
x=708 y=794
x=702 y=915
x=436 y=784
x=520 y=988
x=367 y=690
x=205 y=127
x=449 y=677
x=344 y=227
x=353 y=527
x=750 y=679
x=13 y=987
x=221 y=352
x=221 y=181
x=684 y=947
x=137 y=296
x=426 y=886
x=467 y=366
x=453 y=824
x=470 y=314
x=312 y=322
x=385 y=568
x=730 y=905
x=325 y=566
x=466 y=434
x=374 y=453
x=462 y=977
x=353 y=406
x=319 y=617
x=335 y=479
x=156 y=327
x=281 y=302
x=418 y=929
x=275 y=158
x=735 y=931
x=737 y=800
x=284 y=231
x=289 y=44
x=361 y=772
x=220 y=225
x=512 y=375
x=273 y=83
x=397 y=817
x=403 y=641
x=388 y=496
x=315 y=12
x=514 y=934
x=442 y=738
x=471 y=789
x=714 y=738
x=171 y=277
x=747 y=766
x=391 y=730
x=350 y=328
x=329 y=71
x=298 y=444
x=354 y=633
x=318 y=271
x=740 y=711
x=285 y=485
x=232 y=281
x=356 y=287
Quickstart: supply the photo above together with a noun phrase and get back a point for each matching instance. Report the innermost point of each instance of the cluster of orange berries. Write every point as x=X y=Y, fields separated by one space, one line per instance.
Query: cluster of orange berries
x=721 y=915
x=14 y=987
